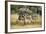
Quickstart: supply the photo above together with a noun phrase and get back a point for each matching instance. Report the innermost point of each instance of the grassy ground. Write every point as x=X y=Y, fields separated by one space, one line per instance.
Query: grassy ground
x=25 y=26
x=35 y=24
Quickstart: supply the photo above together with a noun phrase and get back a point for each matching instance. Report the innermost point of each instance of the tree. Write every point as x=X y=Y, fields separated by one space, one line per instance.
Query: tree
x=24 y=12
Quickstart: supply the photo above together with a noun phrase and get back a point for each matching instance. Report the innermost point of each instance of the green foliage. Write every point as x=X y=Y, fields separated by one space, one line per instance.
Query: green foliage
x=34 y=9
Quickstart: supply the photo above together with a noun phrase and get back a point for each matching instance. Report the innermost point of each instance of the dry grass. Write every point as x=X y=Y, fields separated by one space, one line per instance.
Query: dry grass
x=36 y=23
x=14 y=18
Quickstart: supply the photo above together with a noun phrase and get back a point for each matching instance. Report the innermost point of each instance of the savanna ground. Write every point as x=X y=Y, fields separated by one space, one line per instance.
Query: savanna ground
x=36 y=24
